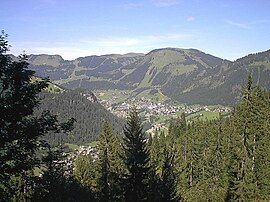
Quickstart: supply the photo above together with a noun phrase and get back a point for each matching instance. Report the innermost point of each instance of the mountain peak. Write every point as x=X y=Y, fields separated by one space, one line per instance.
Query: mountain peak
x=186 y=75
x=124 y=55
x=41 y=59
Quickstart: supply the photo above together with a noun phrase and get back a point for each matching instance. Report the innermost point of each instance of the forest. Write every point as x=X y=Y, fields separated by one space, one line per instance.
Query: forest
x=89 y=116
x=222 y=160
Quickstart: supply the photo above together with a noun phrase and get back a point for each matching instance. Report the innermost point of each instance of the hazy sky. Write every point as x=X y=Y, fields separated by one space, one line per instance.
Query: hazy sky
x=72 y=28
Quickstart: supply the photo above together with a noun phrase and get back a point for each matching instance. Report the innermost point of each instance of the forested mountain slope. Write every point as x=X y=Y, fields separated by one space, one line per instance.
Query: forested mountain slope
x=89 y=114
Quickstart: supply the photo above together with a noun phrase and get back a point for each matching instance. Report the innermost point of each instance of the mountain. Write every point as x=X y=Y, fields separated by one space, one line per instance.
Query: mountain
x=223 y=84
x=185 y=75
x=81 y=105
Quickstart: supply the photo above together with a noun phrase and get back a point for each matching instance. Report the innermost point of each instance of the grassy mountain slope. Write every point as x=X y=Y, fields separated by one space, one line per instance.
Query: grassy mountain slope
x=222 y=85
x=186 y=75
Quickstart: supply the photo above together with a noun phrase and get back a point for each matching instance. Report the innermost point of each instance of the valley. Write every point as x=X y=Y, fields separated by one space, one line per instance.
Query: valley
x=187 y=76
x=135 y=101
x=162 y=84
x=157 y=113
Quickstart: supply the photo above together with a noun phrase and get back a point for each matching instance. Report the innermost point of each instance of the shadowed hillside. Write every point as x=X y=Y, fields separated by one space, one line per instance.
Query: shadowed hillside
x=83 y=106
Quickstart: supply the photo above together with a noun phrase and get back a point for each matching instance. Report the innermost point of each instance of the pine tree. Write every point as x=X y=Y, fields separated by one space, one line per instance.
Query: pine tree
x=136 y=159
x=154 y=148
x=178 y=126
x=192 y=162
x=86 y=172
x=52 y=184
x=110 y=165
x=215 y=174
x=245 y=130
x=104 y=184
x=56 y=183
x=19 y=131
x=261 y=142
x=168 y=178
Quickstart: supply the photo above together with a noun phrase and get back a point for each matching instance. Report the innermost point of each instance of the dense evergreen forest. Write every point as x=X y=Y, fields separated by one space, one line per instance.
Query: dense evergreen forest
x=223 y=160
x=89 y=116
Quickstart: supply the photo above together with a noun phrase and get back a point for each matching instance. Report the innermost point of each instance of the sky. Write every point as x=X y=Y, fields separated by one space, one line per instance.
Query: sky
x=229 y=29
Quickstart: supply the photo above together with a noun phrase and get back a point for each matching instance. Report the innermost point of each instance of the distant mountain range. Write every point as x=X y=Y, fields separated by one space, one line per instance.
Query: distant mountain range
x=185 y=75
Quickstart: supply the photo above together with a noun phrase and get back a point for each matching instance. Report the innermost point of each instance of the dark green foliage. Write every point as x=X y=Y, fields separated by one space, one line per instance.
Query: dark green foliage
x=226 y=159
x=135 y=159
x=104 y=183
x=56 y=184
x=168 y=179
x=178 y=126
x=250 y=146
x=86 y=173
x=110 y=165
x=89 y=116
x=19 y=130
x=163 y=160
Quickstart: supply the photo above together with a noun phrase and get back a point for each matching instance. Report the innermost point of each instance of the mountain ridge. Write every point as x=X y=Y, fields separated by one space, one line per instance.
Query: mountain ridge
x=185 y=75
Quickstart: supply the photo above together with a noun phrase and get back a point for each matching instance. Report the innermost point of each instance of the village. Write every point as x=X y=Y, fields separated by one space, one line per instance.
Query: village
x=157 y=114
x=150 y=108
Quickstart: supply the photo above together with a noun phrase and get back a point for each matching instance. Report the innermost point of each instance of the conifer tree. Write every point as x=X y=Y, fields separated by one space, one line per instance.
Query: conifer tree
x=168 y=178
x=104 y=184
x=215 y=177
x=156 y=150
x=178 y=126
x=110 y=164
x=243 y=179
x=155 y=165
x=86 y=172
x=262 y=150
x=136 y=159
x=56 y=182
x=20 y=131
x=52 y=185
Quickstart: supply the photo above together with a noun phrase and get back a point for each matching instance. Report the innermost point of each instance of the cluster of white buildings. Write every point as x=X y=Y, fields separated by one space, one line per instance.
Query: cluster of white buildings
x=151 y=108
x=82 y=150
x=143 y=104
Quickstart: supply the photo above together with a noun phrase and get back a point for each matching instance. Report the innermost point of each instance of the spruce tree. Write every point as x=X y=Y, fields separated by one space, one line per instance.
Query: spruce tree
x=86 y=172
x=20 y=131
x=52 y=185
x=246 y=131
x=110 y=165
x=154 y=151
x=136 y=159
x=104 y=184
x=261 y=142
x=168 y=178
x=56 y=182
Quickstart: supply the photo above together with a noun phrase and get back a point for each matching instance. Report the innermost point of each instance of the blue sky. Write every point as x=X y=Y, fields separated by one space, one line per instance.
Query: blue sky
x=72 y=28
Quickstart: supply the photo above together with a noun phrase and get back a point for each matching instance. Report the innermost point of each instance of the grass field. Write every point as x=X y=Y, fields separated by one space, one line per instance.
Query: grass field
x=116 y=95
x=204 y=116
x=157 y=97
